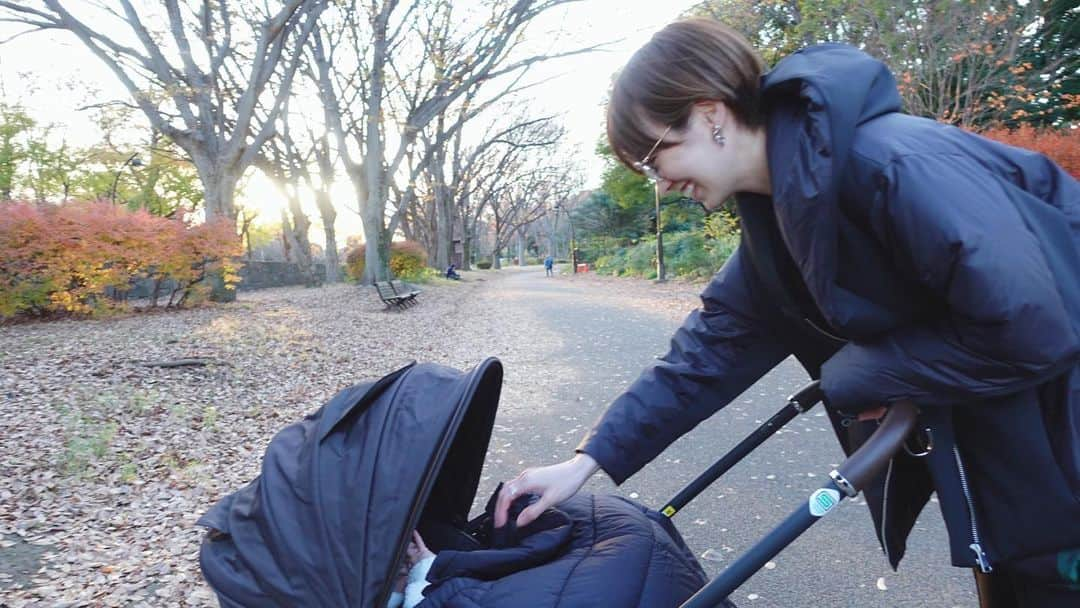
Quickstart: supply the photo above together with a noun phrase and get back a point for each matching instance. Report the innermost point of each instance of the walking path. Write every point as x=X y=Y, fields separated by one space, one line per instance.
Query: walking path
x=582 y=339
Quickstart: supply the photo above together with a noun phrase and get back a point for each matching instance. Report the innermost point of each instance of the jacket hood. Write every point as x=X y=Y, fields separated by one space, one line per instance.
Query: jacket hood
x=839 y=87
x=815 y=101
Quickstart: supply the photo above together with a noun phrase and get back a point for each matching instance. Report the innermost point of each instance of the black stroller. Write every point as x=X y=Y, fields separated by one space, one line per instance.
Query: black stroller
x=327 y=521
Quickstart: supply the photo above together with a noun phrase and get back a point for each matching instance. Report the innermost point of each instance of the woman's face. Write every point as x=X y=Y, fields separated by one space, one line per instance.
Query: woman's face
x=690 y=160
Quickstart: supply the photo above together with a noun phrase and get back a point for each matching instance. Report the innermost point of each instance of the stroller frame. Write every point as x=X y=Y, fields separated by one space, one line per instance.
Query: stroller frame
x=846 y=481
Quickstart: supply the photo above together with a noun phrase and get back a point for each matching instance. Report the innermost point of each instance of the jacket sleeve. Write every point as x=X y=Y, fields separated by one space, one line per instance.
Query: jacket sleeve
x=960 y=230
x=720 y=350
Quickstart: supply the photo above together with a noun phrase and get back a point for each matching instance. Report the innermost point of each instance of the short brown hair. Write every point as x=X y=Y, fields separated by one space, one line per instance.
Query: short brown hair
x=688 y=61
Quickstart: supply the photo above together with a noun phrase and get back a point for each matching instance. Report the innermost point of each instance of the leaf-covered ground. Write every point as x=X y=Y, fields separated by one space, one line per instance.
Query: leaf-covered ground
x=107 y=461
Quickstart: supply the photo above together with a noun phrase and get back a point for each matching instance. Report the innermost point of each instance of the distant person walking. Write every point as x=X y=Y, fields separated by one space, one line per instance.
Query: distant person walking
x=549 y=265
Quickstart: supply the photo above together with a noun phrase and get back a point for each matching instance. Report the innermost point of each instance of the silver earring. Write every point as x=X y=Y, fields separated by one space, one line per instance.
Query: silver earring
x=718 y=135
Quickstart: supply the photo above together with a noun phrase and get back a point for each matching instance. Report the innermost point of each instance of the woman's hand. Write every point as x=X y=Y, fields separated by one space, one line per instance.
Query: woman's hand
x=872 y=413
x=554 y=484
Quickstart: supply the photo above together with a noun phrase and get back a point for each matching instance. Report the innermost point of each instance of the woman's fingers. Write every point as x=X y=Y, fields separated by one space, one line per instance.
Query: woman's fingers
x=553 y=483
x=507 y=494
x=872 y=414
x=530 y=513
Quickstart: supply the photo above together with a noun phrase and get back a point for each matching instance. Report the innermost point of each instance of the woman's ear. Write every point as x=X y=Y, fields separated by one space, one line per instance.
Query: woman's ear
x=715 y=112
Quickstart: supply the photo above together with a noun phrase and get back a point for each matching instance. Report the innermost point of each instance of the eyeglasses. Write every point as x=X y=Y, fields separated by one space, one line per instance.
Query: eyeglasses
x=645 y=165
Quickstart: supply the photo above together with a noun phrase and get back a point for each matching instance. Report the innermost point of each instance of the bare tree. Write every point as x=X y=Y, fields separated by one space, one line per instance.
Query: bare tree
x=185 y=90
x=465 y=179
x=325 y=162
x=283 y=163
x=481 y=170
x=247 y=217
x=381 y=87
x=536 y=184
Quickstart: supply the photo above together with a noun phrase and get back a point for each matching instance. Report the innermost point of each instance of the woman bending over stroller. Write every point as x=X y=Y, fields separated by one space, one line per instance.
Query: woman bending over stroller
x=897 y=258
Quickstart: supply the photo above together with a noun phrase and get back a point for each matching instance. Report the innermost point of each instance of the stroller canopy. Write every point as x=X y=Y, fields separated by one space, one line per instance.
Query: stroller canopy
x=340 y=491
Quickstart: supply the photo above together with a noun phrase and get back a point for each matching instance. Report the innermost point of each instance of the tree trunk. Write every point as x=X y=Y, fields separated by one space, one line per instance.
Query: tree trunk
x=429 y=231
x=301 y=243
x=521 y=246
x=219 y=184
x=287 y=242
x=445 y=227
x=461 y=210
x=377 y=243
x=408 y=230
x=373 y=210
x=444 y=223
x=329 y=215
x=466 y=251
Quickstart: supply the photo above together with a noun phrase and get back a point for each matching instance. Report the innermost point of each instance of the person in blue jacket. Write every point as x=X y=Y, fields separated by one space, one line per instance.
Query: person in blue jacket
x=452 y=273
x=896 y=258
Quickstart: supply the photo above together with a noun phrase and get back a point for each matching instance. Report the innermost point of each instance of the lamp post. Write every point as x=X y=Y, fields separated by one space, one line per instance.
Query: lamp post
x=661 y=273
x=573 y=245
x=132 y=160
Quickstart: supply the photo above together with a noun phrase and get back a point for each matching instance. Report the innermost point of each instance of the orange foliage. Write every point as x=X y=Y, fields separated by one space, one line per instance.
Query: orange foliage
x=1060 y=145
x=64 y=258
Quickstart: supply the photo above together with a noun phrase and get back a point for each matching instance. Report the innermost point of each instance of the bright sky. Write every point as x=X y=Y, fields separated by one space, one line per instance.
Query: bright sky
x=50 y=72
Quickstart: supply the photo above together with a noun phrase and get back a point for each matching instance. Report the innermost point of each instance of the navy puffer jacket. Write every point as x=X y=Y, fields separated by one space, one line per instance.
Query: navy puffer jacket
x=897 y=258
x=590 y=551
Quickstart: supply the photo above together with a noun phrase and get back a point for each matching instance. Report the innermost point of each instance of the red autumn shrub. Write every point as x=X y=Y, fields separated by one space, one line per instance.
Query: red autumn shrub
x=1060 y=145
x=65 y=258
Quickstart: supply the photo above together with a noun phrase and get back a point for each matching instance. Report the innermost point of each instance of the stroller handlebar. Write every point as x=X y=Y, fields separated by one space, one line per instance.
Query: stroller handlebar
x=850 y=477
x=872 y=456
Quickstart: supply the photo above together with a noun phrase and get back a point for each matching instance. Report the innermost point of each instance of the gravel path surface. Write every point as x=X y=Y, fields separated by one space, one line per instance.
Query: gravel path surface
x=108 y=462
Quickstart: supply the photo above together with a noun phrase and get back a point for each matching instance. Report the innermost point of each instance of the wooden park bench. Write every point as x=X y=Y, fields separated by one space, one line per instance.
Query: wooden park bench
x=403 y=289
x=387 y=295
x=396 y=294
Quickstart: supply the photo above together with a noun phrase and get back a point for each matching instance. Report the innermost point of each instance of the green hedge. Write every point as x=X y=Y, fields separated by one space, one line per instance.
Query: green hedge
x=686 y=254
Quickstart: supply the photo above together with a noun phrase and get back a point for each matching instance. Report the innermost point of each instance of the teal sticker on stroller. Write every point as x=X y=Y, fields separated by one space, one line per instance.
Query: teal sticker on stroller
x=822 y=501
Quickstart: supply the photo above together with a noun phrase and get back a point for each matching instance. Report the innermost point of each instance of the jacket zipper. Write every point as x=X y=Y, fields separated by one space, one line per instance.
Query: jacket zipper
x=976 y=545
x=885 y=511
x=888 y=472
x=823 y=332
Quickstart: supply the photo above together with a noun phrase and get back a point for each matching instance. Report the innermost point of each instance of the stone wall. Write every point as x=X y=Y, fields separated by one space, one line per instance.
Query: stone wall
x=253 y=275
x=260 y=275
